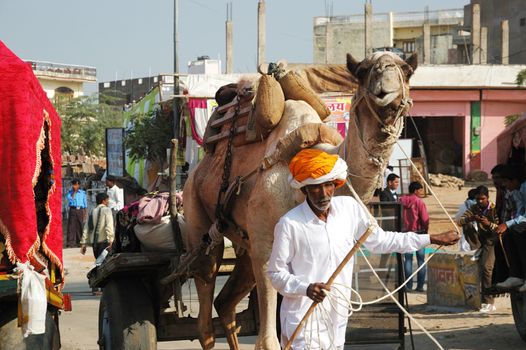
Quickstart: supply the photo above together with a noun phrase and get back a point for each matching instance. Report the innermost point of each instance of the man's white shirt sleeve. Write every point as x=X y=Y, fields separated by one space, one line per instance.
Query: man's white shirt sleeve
x=279 y=264
x=381 y=241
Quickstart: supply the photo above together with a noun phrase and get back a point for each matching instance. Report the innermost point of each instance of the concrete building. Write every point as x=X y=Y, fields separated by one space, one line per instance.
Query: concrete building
x=204 y=65
x=505 y=23
x=127 y=91
x=62 y=80
x=430 y=33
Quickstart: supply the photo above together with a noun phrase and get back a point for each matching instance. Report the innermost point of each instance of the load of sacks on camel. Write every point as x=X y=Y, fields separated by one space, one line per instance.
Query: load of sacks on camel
x=260 y=107
x=257 y=107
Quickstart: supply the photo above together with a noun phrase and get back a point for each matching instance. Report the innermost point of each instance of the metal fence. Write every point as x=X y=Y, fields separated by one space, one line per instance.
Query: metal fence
x=452 y=16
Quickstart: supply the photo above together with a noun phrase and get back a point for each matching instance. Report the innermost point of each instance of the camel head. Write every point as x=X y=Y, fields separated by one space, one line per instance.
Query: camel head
x=384 y=82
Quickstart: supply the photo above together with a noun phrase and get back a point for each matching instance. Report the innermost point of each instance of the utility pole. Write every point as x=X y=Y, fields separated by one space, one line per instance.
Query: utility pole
x=176 y=70
x=177 y=290
x=505 y=47
x=475 y=34
x=368 y=20
x=261 y=32
x=229 y=36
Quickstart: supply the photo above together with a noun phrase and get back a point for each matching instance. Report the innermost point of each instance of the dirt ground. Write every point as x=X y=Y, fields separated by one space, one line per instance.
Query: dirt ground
x=453 y=328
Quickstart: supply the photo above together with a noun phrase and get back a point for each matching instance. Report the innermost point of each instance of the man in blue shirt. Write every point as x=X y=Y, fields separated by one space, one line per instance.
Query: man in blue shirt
x=78 y=205
x=515 y=229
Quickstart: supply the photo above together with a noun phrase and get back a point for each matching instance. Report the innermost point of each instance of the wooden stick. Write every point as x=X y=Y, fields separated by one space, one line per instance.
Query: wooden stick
x=504 y=251
x=178 y=239
x=335 y=274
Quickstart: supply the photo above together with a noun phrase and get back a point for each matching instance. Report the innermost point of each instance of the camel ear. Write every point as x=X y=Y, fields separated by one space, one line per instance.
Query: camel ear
x=354 y=67
x=412 y=64
x=352 y=64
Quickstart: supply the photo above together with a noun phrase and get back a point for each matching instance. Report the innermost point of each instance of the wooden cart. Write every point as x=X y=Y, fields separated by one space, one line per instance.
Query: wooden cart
x=133 y=308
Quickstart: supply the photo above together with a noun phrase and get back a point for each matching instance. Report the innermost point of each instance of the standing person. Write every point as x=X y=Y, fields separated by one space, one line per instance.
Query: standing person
x=506 y=208
x=389 y=193
x=99 y=230
x=485 y=215
x=78 y=205
x=116 y=195
x=388 y=171
x=312 y=239
x=466 y=244
x=415 y=219
x=515 y=230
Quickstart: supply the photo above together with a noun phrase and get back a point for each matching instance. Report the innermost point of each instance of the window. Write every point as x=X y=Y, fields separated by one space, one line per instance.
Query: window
x=63 y=94
x=409 y=46
x=522 y=22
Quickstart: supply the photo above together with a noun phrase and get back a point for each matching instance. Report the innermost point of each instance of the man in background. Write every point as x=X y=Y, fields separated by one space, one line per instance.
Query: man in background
x=78 y=205
x=99 y=229
x=416 y=219
x=485 y=215
x=389 y=193
x=467 y=241
x=115 y=194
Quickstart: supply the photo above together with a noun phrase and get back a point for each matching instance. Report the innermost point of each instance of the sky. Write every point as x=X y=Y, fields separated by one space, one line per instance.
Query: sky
x=134 y=38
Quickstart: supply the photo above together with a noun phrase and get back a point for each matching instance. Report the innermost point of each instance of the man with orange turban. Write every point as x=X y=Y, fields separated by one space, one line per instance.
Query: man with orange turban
x=312 y=239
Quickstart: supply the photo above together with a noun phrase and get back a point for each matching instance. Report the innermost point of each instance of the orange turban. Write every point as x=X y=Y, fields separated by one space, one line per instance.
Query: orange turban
x=313 y=167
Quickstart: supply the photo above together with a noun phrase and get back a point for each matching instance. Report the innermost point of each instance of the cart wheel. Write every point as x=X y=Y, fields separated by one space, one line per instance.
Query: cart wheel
x=126 y=316
x=518 y=307
x=12 y=338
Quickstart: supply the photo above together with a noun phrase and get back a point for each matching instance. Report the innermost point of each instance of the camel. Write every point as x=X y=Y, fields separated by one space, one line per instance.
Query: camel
x=376 y=121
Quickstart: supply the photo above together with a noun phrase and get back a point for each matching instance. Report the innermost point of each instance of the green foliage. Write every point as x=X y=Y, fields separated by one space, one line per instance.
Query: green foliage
x=150 y=136
x=84 y=121
x=521 y=78
x=510 y=119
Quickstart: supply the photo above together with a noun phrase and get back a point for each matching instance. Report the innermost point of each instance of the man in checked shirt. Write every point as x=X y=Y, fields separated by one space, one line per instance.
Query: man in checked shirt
x=485 y=218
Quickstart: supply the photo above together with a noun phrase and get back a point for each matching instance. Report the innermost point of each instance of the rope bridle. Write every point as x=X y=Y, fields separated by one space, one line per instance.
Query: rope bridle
x=393 y=129
x=364 y=94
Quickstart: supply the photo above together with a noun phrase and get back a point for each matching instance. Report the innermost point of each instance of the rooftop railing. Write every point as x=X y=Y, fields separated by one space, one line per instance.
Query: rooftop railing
x=41 y=68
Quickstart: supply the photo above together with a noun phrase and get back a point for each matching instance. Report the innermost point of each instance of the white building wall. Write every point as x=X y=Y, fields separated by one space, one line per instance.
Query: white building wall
x=50 y=85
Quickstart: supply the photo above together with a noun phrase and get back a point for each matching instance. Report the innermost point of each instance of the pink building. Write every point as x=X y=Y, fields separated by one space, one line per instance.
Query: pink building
x=459 y=111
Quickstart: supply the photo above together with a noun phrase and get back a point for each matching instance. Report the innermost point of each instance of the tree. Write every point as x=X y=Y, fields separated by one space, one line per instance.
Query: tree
x=84 y=121
x=521 y=78
x=150 y=135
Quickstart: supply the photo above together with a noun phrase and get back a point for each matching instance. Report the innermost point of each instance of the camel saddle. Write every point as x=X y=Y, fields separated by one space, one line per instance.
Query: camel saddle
x=241 y=109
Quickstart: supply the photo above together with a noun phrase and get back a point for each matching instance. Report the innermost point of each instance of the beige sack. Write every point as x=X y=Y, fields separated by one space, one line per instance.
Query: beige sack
x=156 y=237
x=305 y=136
x=270 y=102
x=296 y=88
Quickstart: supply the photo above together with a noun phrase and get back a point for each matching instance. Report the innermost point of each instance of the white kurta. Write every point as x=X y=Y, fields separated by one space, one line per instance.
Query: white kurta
x=116 y=197
x=307 y=250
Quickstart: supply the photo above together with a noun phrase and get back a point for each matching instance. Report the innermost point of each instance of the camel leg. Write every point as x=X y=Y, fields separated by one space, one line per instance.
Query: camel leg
x=205 y=294
x=267 y=301
x=238 y=285
x=206 y=267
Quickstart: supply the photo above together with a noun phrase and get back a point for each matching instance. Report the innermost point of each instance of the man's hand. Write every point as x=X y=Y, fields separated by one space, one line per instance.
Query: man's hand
x=483 y=220
x=471 y=218
x=445 y=238
x=83 y=249
x=501 y=228
x=315 y=291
